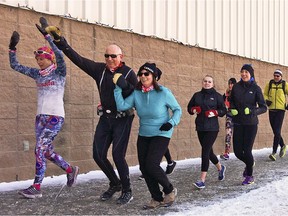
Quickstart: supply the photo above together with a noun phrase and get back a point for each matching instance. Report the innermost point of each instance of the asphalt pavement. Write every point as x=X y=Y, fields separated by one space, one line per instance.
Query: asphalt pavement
x=83 y=199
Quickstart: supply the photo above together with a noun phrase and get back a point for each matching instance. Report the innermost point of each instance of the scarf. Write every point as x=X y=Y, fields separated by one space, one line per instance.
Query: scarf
x=47 y=70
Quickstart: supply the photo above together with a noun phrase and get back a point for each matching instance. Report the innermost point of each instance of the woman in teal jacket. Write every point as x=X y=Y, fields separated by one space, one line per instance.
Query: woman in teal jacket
x=152 y=103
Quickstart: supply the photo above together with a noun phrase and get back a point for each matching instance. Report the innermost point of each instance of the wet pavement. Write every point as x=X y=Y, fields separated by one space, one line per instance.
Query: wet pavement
x=84 y=198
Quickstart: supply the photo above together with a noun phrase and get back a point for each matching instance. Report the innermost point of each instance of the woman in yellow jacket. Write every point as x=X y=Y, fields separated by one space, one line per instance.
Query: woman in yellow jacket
x=275 y=96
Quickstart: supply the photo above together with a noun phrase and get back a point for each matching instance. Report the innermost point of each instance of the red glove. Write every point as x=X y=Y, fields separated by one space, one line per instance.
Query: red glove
x=196 y=109
x=211 y=113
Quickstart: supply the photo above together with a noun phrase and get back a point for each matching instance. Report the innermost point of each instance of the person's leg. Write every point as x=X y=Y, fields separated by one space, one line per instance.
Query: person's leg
x=47 y=129
x=168 y=157
x=250 y=132
x=101 y=144
x=275 y=128
x=228 y=136
x=121 y=134
x=143 y=150
x=238 y=141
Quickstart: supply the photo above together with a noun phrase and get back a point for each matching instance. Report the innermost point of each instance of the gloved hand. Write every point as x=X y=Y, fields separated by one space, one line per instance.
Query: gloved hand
x=54 y=32
x=41 y=28
x=165 y=127
x=234 y=112
x=268 y=102
x=196 y=109
x=14 y=40
x=247 y=111
x=118 y=79
x=211 y=113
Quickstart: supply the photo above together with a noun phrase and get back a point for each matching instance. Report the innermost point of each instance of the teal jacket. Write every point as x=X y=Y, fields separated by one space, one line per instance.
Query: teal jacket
x=152 y=109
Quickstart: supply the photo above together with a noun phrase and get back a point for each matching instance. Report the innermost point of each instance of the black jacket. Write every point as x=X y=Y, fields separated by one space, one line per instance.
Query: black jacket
x=207 y=99
x=102 y=76
x=247 y=94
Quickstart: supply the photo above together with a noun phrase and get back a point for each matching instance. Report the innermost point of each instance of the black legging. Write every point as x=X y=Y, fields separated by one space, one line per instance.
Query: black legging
x=168 y=156
x=150 y=152
x=243 y=140
x=207 y=139
x=116 y=131
x=276 y=121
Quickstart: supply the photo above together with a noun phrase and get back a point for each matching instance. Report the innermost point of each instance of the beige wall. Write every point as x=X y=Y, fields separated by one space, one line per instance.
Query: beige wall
x=183 y=68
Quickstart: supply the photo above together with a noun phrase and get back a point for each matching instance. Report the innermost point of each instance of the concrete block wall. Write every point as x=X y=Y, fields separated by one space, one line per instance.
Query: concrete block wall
x=183 y=69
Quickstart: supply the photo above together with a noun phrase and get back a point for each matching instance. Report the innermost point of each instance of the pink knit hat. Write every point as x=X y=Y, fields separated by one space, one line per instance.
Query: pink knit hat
x=45 y=52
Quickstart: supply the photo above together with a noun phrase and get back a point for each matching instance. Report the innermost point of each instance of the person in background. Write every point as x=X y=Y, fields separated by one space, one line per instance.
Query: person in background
x=228 y=120
x=275 y=96
x=170 y=164
x=152 y=103
x=246 y=103
x=208 y=105
x=50 y=80
x=113 y=126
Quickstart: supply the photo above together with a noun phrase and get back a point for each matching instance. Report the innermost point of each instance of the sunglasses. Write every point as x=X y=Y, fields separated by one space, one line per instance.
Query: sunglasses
x=145 y=74
x=207 y=81
x=111 y=55
x=40 y=52
x=276 y=75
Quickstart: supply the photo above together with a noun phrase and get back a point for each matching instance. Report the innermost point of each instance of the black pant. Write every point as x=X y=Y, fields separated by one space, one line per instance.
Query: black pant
x=116 y=130
x=276 y=120
x=207 y=139
x=168 y=157
x=243 y=140
x=150 y=152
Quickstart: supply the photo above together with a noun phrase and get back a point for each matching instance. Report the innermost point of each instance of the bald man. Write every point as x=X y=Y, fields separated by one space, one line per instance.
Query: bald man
x=113 y=126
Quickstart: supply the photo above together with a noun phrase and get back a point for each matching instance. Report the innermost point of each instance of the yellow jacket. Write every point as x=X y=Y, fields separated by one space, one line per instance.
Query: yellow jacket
x=276 y=95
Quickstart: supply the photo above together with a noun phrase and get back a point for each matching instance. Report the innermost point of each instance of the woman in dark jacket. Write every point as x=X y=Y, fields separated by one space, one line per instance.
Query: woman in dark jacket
x=208 y=105
x=246 y=103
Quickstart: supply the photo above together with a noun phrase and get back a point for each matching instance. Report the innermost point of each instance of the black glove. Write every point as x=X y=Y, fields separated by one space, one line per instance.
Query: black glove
x=44 y=24
x=165 y=127
x=119 y=80
x=14 y=40
x=268 y=102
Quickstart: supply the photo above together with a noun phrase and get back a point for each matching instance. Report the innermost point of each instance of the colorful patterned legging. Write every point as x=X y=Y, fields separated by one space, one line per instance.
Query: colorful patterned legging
x=46 y=129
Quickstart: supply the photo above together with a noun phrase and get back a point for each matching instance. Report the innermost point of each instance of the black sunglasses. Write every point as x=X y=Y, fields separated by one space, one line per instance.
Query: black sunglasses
x=111 y=55
x=145 y=74
x=276 y=75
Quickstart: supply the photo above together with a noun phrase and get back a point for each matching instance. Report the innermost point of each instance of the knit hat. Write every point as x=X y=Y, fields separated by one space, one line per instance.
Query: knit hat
x=151 y=67
x=45 y=52
x=249 y=68
x=232 y=81
x=278 y=72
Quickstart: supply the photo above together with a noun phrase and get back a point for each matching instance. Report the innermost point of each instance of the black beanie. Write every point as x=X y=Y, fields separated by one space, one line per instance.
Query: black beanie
x=249 y=68
x=151 y=67
x=232 y=81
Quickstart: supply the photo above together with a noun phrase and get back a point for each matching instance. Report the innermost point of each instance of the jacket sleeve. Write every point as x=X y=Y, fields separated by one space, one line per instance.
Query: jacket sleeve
x=61 y=65
x=121 y=103
x=262 y=107
x=15 y=65
x=221 y=108
x=191 y=104
x=175 y=107
x=87 y=65
x=131 y=83
x=266 y=92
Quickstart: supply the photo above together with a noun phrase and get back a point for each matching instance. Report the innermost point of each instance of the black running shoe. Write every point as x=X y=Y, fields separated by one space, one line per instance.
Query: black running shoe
x=170 y=168
x=125 y=198
x=110 y=192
